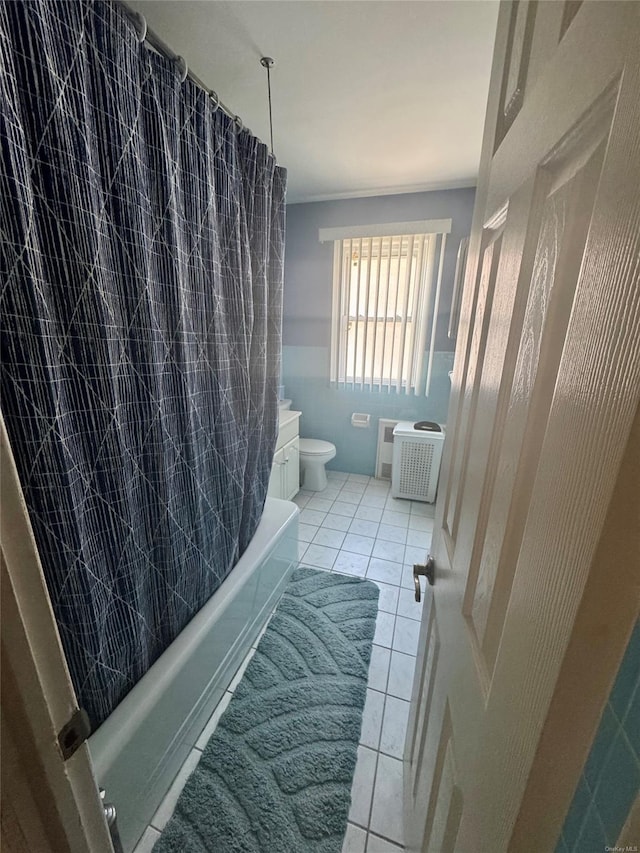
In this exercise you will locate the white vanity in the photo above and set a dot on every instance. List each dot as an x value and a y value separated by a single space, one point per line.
285 473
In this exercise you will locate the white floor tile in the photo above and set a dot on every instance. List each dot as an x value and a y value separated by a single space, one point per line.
359 478
362 788
378 486
385 571
337 522
301 500
306 532
320 504
405 636
386 550
399 505
406 580
368 513
241 669
384 629
355 839
330 493
376 500
343 508
320 555
213 721
349 496
392 533
372 719
401 671
145 845
386 813
394 726
375 844
419 522
364 528
419 538
337 475
397 519
358 544
379 668
422 508
408 606
312 516
348 563
165 810
331 538
388 599
415 554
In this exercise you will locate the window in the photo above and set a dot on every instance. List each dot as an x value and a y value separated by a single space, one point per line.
385 304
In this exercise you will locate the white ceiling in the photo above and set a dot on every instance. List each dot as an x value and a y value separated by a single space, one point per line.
369 96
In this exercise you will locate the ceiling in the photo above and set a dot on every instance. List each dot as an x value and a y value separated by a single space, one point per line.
370 97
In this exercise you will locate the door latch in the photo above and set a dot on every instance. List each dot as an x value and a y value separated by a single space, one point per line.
428 570
74 733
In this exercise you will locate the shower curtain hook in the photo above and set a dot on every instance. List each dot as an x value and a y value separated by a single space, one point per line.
216 100
239 123
182 68
140 26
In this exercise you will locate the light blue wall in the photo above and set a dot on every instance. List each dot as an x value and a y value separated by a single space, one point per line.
308 281
611 777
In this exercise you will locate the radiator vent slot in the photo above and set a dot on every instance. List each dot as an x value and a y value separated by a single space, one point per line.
384 456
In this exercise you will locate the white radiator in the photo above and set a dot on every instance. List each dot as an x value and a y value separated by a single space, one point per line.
384 457
416 462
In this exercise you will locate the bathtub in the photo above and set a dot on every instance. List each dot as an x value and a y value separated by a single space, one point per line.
140 747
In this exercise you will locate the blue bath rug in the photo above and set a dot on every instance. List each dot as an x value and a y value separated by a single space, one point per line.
276 775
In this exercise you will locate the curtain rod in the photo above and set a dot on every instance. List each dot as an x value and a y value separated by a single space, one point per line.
146 34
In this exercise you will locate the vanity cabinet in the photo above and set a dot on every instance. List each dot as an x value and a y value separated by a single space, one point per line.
285 471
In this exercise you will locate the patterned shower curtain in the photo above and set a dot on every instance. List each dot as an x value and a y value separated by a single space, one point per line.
141 261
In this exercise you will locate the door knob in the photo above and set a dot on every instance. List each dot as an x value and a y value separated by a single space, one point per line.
428 570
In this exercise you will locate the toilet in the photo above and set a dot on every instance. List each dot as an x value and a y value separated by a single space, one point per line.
314 455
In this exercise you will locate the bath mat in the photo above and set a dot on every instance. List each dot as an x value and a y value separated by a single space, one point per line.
276 775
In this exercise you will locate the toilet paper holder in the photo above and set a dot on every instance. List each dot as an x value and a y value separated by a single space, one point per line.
360 419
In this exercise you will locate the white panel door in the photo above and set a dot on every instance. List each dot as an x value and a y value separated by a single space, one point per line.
545 388
48 803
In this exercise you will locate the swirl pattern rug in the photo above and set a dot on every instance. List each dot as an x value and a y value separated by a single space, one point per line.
276 775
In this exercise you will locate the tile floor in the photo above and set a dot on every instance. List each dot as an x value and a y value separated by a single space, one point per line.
355 527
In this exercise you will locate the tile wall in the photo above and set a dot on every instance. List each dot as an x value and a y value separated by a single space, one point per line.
326 411
610 780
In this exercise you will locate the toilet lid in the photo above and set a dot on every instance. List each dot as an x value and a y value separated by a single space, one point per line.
315 447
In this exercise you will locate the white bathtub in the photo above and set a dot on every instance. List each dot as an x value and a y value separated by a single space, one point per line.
139 748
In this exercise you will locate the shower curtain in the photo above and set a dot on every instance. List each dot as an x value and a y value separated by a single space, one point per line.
141 252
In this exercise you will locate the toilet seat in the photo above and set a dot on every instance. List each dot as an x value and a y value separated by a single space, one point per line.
315 447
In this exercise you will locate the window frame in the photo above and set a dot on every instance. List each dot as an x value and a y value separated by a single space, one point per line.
431 230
